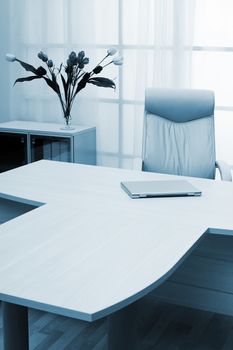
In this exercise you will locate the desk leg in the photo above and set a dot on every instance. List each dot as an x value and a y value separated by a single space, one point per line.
122 330
15 327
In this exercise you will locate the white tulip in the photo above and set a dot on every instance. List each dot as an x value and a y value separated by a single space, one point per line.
118 61
10 57
111 51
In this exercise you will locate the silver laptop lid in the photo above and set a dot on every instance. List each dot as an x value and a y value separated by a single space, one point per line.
168 188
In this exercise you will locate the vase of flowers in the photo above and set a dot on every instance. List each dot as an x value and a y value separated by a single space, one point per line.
69 79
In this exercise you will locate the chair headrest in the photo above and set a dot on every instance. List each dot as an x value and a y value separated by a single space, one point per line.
181 105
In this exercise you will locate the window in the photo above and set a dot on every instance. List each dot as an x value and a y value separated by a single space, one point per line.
212 66
145 33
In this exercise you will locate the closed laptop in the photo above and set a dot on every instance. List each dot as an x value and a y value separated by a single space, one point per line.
168 188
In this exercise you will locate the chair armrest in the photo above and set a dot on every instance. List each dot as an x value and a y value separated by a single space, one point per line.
224 169
137 163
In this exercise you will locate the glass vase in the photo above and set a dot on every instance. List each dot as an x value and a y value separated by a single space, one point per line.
68 125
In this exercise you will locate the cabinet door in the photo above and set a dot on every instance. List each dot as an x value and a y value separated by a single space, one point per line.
13 150
50 147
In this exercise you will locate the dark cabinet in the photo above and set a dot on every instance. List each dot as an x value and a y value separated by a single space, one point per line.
13 150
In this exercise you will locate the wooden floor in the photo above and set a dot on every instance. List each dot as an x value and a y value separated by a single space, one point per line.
160 327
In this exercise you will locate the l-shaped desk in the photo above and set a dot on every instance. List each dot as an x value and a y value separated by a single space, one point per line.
88 251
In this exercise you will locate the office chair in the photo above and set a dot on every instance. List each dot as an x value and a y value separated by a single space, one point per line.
178 136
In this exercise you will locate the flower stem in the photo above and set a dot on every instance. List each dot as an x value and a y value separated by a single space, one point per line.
62 103
107 64
99 64
102 60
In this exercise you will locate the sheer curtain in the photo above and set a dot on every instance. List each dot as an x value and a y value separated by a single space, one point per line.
165 32
4 66
57 27
154 36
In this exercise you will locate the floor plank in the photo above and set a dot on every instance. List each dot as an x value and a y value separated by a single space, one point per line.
161 326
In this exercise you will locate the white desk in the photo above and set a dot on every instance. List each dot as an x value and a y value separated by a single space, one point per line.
91 250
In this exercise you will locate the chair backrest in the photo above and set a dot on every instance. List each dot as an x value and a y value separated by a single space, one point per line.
178 135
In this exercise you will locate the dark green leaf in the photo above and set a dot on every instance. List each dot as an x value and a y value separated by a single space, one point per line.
54 79
54 85
28 67
103 82
21 80
81 85
64 86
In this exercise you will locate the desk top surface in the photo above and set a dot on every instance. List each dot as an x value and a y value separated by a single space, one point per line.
91 249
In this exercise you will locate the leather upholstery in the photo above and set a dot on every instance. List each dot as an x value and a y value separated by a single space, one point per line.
179 132
179 105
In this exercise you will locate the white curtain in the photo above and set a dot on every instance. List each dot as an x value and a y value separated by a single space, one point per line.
57 27
4 66
154 36
167 29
